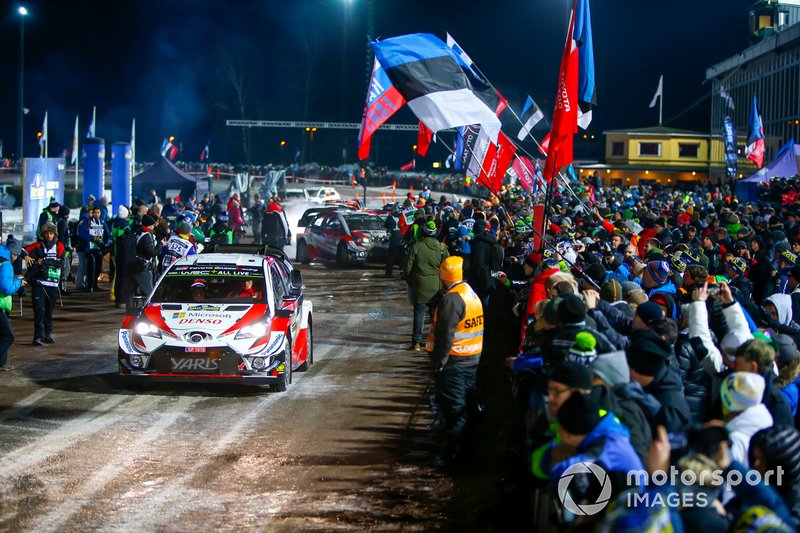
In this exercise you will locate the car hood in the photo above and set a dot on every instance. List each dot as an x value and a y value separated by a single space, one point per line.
213 318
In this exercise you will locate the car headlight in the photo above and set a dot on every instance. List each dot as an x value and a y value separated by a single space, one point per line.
258 363
364 240
136 361
146 329
253 331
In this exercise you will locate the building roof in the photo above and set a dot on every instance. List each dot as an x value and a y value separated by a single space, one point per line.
774 43
659 131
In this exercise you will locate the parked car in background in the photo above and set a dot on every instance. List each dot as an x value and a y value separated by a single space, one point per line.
344 237
319 195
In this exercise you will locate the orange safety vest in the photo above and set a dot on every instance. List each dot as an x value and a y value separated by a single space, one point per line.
468 340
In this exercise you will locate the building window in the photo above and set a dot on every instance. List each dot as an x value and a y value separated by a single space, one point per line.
618 148
688 150
651 149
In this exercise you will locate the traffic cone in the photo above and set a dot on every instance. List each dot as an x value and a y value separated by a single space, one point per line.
356 196
383 197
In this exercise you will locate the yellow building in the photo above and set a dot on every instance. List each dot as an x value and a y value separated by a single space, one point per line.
653 155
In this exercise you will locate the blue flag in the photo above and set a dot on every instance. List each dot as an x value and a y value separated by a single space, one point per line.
587 99
755 137
459 148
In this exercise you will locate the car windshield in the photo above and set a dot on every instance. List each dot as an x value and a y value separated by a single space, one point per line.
364 222
212 284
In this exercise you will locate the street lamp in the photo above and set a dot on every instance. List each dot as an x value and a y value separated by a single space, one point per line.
23 11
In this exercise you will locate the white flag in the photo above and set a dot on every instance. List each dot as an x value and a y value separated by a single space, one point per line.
90 132
452 44
74 159
723 92
659 91
133 136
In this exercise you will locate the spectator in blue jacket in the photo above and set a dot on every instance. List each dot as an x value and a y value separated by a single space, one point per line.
597 436
9 285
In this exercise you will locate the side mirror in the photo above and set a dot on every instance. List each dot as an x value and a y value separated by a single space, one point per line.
296 279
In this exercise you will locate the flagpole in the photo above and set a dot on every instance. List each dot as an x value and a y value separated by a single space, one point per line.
530 134
75 146
94 122
661 105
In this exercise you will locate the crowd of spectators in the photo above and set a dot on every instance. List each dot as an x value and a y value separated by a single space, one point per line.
655 332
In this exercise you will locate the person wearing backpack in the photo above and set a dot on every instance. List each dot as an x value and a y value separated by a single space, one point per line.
9 285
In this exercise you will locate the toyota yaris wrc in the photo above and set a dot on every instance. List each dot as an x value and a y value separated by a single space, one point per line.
221 318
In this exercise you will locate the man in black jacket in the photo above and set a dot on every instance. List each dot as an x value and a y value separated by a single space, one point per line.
647 357
141 270
485 259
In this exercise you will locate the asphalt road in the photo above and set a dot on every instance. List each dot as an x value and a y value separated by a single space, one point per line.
348 447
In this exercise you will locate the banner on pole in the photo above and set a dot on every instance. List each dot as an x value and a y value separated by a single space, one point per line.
43 178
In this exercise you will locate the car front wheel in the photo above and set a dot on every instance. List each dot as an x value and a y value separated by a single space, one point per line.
341 255
302 252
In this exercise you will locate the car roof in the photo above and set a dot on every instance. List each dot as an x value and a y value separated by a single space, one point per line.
226 259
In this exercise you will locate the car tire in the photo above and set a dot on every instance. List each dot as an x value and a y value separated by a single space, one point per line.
302 252
309 349
341 255
283 385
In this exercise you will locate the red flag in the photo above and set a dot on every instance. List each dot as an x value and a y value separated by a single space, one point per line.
495 164
409 166
424 136
502 104
565 114
383 101
545 144
525 170
172 152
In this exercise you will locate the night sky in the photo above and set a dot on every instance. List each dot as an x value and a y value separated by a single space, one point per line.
170 65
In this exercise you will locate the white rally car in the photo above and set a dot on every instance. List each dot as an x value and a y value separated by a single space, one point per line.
222 317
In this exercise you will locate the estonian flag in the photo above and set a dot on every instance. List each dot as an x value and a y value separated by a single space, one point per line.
430 76
530 116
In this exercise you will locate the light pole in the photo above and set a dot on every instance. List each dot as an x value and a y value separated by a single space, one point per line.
22 13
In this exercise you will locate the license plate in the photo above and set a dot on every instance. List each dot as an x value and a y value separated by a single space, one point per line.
195 349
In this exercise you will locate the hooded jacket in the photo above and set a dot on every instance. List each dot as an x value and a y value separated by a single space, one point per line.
422 269
9 285
743 427
607 444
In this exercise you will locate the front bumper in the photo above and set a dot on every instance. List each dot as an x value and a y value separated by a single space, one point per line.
215 365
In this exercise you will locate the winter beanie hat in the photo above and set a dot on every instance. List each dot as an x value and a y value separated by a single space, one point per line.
430 229
579 414
14 245
612 368
647 353
740 391
611 291
583 350
571 310
649 312
659 271
572 375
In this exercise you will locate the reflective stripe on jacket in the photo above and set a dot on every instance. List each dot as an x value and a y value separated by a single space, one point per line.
468 336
